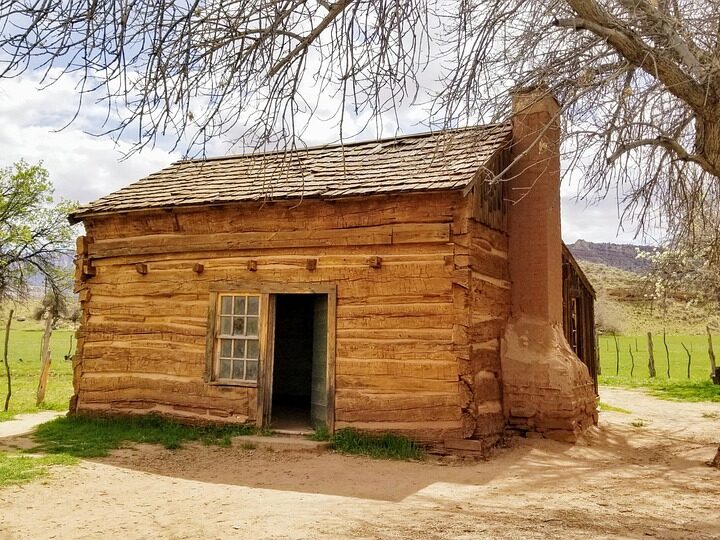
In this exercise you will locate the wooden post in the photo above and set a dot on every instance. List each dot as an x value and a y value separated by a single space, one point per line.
632 359
714 371
667 353
617 354
651 356
689 358
45 360
7 365
597 354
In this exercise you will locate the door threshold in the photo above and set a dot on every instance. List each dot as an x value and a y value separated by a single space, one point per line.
299 432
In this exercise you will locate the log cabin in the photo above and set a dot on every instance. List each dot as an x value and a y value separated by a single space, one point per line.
415 285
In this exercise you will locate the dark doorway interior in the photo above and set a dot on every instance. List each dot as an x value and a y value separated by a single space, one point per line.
300 359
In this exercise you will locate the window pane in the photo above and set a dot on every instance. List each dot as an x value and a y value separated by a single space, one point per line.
252 369
238 348
226 305
226 348
224 369
253 306
237 372
239 305
226 326
253 349
238 326
251 328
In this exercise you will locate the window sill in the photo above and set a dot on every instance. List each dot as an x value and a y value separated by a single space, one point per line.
242 384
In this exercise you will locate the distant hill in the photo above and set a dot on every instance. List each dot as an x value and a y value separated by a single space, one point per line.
621 256
624 306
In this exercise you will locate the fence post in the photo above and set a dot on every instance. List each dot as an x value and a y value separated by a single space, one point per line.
651 356
689 358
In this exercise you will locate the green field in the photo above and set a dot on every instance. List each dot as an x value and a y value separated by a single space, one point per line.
25 345
698 387
24 359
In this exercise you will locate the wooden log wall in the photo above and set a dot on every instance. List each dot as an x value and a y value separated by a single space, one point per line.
579 313
482 297
417 347
143 334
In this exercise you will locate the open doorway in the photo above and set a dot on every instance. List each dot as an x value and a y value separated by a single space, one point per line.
299 394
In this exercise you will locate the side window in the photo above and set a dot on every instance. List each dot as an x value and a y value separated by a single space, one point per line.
237 342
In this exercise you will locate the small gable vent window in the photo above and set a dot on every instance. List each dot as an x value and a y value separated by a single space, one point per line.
237 338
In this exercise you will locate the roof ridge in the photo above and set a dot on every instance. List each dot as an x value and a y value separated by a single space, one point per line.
327 146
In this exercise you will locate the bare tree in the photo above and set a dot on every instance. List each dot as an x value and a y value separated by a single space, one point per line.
639 80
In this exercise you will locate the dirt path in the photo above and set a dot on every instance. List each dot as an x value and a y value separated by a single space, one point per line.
621 482
25 423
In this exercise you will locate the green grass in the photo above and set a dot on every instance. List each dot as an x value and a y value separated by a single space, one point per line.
612 408
94 437
385 446
321 433
24 360
19 469
678 386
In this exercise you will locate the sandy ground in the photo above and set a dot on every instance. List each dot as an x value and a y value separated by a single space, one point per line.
622 481
25 423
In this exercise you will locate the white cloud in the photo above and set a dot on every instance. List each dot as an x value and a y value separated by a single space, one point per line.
84 167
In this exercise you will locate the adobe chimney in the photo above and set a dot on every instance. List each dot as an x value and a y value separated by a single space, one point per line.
534 216
546 388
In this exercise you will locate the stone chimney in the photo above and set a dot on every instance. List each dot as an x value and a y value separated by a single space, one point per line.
547 389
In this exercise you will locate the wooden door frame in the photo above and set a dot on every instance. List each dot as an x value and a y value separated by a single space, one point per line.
268 291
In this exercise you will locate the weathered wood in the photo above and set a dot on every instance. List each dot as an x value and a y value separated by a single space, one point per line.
651 356
348 213
148 340
45 360
362 236
5 360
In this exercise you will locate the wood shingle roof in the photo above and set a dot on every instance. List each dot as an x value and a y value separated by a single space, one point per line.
444 160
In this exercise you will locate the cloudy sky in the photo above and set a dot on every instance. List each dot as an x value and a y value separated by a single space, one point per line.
84 167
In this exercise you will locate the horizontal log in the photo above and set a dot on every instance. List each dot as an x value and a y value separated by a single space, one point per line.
394 350
406 233
143 360
144 328
419 430
268 216
370 289
396 383
403 414
192 415
429 369
358 400
169 339
416 270
398 321
409 334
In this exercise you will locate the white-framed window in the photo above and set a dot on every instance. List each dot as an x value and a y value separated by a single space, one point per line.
237 342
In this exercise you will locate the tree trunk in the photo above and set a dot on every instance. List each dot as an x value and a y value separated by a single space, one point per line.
651 357
45 360
7 364
714 369
707 140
